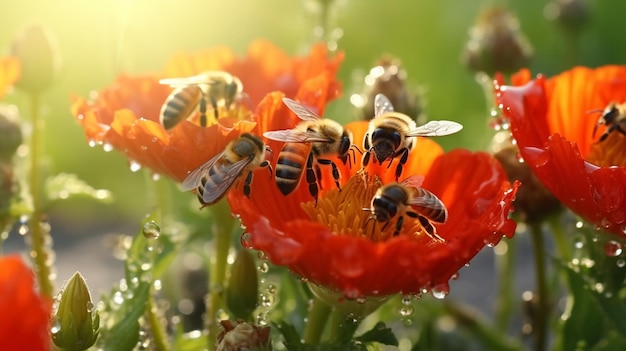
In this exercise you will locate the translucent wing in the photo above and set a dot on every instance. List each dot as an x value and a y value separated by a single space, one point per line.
436 128
194 178
193 80
414 181
216 187
382 105
429 206
302 112
296 136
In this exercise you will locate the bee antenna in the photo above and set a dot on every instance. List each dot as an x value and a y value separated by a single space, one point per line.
354 146
595 110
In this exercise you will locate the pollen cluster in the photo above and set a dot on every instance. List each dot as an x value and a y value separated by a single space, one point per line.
347 211
609 152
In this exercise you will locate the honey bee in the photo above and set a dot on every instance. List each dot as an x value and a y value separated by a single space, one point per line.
305 147
392 134
408 198
191 94
613 117
213 179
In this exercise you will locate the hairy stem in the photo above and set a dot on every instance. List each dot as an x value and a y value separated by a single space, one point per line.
316 321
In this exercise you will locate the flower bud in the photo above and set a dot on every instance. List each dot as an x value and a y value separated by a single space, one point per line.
10 132
76 324
243 336
243 286
388 78
533 201
572 15
496 43
37 50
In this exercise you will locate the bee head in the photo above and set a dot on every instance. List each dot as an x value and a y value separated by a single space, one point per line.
383 209
385 142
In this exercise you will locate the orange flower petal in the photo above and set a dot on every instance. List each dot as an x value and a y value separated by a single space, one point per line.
9 73
25 314
551 123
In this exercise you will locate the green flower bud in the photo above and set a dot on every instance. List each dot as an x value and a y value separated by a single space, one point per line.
243 286
76 324
37 50
533 202
572 15
496 43
243 336
389 78
10 132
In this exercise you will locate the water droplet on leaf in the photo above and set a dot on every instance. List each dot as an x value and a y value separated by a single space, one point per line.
151 230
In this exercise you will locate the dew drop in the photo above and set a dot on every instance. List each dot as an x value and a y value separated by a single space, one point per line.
92 143
23 229
261 255
271 288
56 326
579 224
151 230
155 176
267 300
261 318
264 267
135 166
407 311
246 240
613 248
440 291
406 300
107 147
621 263
579 243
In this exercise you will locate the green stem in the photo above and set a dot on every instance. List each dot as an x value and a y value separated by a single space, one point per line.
542 308
156 327
222 237
505 273
316 321
37 234
560 239
159 196
341 326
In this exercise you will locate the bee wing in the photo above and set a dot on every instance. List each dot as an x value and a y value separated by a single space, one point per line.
230 171
428 200
414 181
194 178
193 80
382 105
436 128
296 136
300 110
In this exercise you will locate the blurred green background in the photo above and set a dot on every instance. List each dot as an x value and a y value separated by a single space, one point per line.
100 39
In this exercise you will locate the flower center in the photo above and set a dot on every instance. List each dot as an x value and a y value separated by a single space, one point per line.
348 212
609 152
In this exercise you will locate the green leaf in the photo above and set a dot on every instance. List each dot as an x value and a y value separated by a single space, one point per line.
124 335
65 185
379 333
292 338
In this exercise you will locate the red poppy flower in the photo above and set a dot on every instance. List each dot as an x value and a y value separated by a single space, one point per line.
333 245
551 121
125 116
9 73
25 315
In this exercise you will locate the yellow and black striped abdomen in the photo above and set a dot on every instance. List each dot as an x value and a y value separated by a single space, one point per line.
292 160
179 105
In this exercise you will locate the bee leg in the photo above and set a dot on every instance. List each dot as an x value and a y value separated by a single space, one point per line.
247 183
608 131
268 165
403 159
335 170
311 178
203 121
430 229
398 226
216 112
366 147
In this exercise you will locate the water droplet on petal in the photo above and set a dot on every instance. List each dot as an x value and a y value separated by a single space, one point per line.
246 240
440 291
151 230
612 248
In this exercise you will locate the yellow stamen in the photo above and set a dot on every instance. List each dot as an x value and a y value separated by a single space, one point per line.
610 152
347 212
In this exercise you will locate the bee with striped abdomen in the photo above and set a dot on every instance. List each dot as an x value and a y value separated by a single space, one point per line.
392 134
306 145
191 94
212 179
